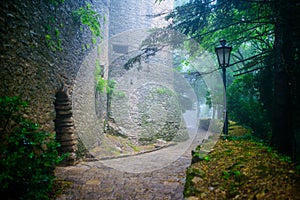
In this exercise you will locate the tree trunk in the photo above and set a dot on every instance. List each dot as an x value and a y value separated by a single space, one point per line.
282 128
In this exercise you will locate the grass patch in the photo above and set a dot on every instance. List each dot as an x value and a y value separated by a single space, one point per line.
135 148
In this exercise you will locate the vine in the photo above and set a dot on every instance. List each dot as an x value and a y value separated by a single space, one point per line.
103 85
90 18
28 154
53 35
56 2
54 43
86 15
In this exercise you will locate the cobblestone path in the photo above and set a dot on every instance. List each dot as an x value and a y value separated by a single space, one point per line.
95 180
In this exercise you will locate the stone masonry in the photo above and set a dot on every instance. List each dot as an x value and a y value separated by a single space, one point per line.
43 48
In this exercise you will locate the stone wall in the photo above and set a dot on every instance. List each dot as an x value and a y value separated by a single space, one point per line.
144 104
42 49
48 59
129 14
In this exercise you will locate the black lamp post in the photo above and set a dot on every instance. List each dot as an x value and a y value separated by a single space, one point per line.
223 54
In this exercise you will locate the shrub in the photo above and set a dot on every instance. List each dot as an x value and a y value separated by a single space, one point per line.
245 106
27 155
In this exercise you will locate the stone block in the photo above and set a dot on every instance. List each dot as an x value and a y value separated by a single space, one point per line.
65 137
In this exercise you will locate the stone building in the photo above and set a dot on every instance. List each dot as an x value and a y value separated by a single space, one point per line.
45 51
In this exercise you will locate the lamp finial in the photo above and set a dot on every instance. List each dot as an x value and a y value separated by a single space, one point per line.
223 42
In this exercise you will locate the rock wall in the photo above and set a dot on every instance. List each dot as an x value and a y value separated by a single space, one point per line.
42 49
45 52
144 101
144 106
129 14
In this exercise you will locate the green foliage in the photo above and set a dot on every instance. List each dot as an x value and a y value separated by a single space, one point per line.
298 168
134 147
111 85
28 155
245 107
90 18
253 28
189 187
248 136
164 91
158 1
231 173
208 99
53 39
56 2
119 94
208 22
103 85
199 155
215 99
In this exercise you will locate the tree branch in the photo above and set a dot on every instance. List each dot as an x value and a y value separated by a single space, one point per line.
250 58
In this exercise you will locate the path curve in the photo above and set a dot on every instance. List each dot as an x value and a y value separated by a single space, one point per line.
95 180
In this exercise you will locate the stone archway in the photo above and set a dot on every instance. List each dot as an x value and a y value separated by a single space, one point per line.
64 126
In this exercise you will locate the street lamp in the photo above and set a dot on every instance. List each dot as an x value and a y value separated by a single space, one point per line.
223 54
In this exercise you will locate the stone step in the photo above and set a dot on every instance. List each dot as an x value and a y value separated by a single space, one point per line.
68 143
64 124
64 112
63 107
62 117
65 137
66 149
64 120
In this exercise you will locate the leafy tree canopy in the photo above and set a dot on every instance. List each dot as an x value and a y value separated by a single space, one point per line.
248 25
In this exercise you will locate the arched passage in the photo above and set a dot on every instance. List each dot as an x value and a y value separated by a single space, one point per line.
64 126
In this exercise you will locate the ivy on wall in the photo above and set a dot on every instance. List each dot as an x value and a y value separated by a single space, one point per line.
28 154
90 18
86 15
56 2
103 85
53 41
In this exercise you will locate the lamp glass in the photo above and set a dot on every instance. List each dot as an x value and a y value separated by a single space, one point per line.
223 54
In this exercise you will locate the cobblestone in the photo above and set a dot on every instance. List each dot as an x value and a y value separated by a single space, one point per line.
95 180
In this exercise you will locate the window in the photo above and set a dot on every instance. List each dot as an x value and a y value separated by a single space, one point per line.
121 49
